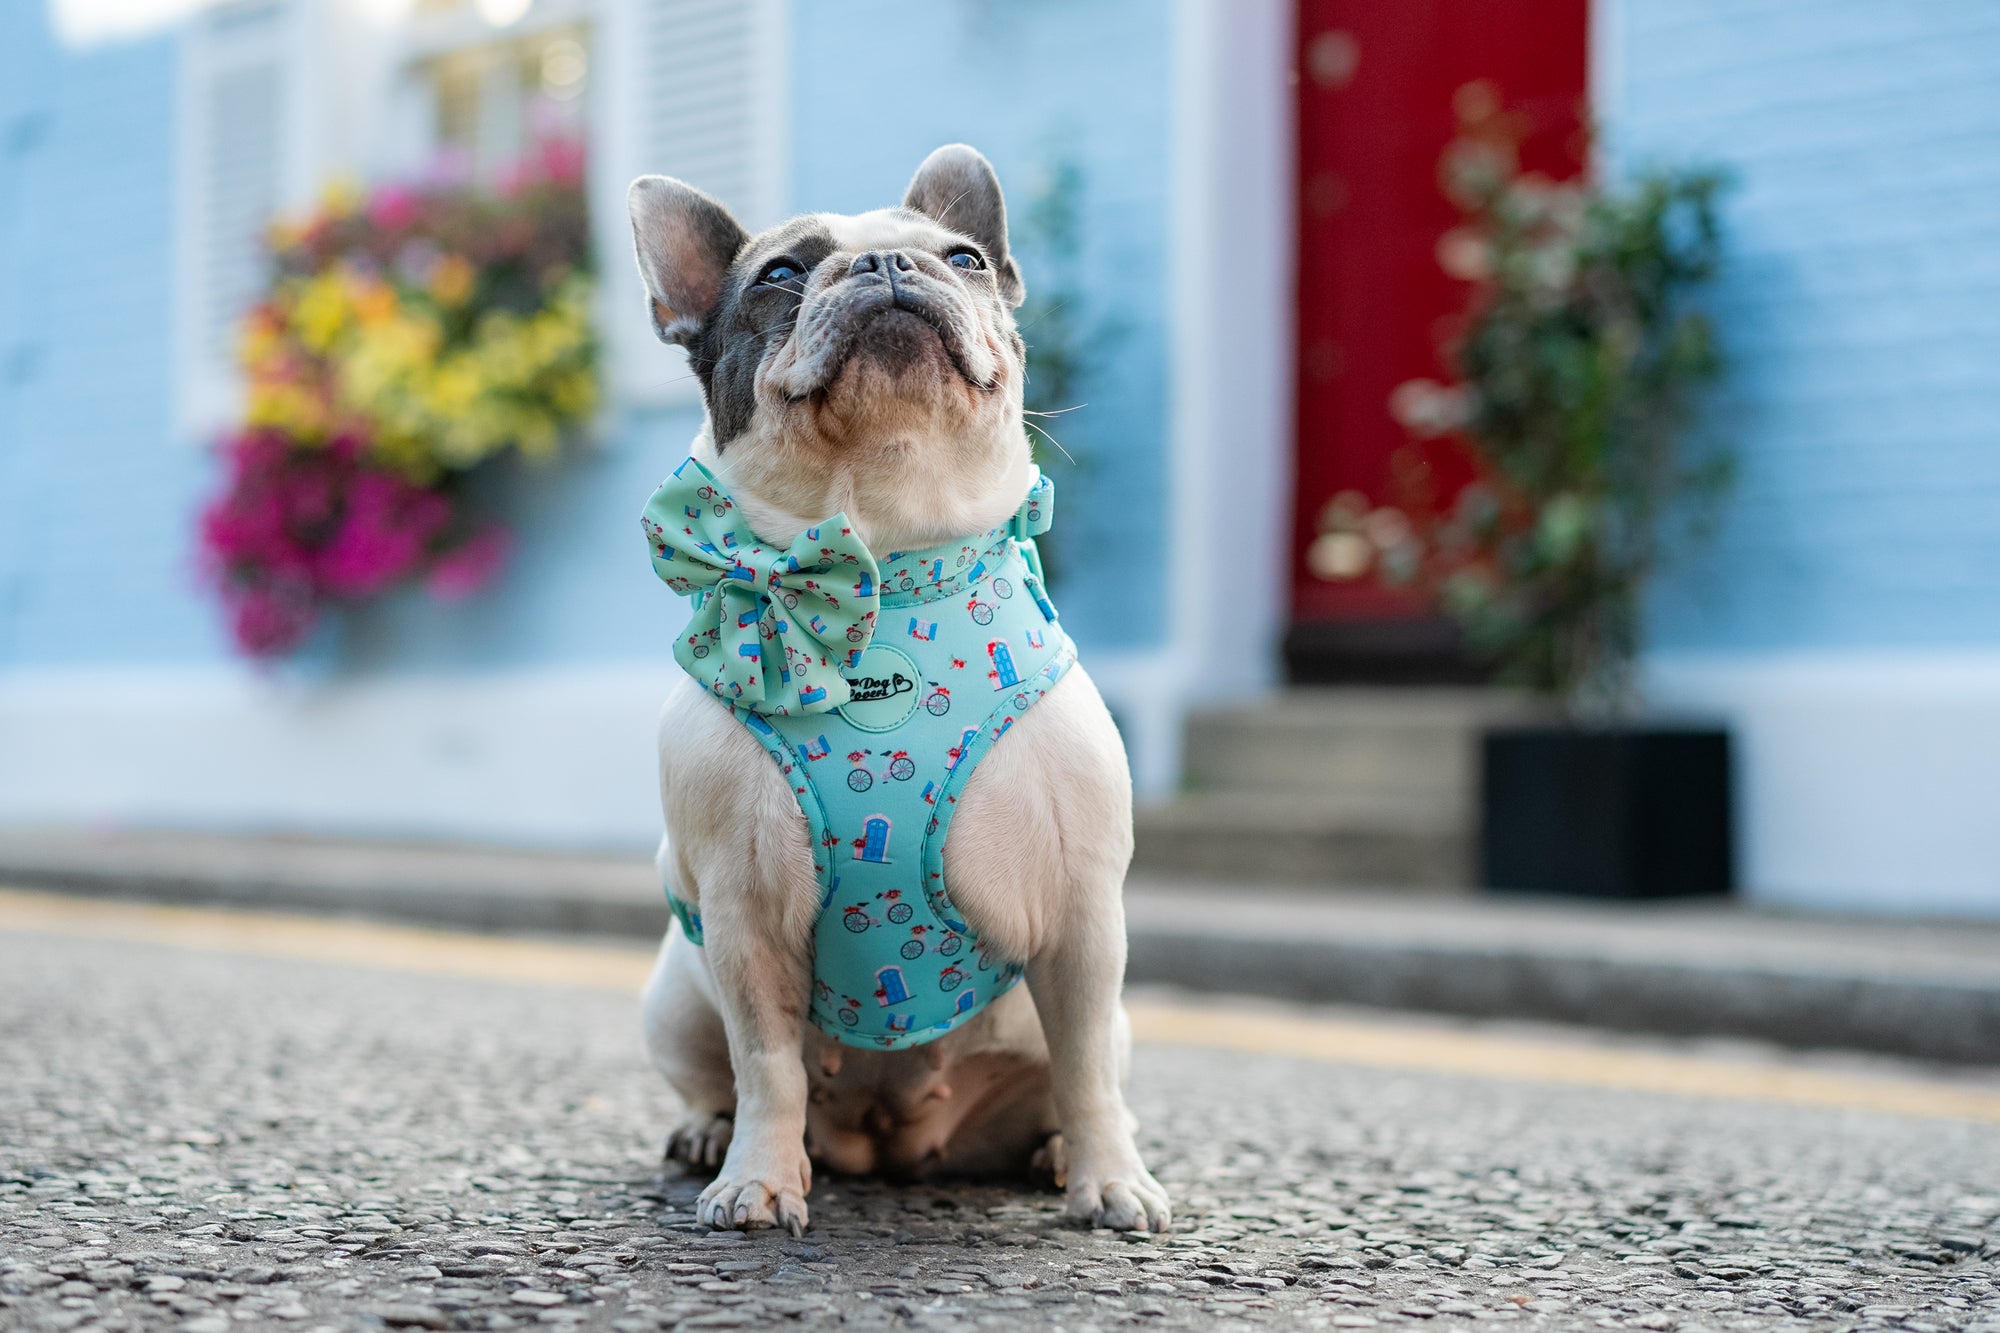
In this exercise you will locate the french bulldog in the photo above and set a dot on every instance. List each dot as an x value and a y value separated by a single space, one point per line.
870 366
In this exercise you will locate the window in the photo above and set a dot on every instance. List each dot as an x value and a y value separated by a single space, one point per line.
235 121
280 96
482 96
694 89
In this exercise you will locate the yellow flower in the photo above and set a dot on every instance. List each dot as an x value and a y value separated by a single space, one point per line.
374 301
284 233
343 348
342 198
453 279
319 309
288 406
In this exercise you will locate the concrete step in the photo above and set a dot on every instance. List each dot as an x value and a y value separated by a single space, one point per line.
1316 839
1421 744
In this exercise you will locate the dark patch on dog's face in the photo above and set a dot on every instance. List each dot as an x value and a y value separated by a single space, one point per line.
751 314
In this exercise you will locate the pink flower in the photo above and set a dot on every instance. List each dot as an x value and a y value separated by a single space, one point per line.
271 620
560 161
384 535
298 526
394 208
469 566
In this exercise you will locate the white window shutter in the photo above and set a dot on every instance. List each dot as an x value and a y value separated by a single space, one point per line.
238 123
694 89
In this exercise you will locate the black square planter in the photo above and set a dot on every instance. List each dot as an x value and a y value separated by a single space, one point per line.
1641 812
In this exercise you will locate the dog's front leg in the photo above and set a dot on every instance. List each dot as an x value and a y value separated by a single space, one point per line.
762 978
742 856
1076 981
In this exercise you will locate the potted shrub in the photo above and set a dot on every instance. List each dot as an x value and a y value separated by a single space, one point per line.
1578 363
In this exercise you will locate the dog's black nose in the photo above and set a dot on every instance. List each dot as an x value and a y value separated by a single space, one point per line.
882 261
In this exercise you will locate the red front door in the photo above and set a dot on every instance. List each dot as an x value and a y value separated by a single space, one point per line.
1375 89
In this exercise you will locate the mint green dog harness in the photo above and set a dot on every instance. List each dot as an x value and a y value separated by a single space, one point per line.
877 689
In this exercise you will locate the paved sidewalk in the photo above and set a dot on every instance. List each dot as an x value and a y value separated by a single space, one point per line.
1913 988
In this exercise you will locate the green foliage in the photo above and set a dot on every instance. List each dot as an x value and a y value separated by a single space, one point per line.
1066 347
1580 363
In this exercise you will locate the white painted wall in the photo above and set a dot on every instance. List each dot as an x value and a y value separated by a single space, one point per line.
553 757
1231 406
1866 781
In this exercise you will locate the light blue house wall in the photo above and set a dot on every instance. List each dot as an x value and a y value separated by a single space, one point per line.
94 495
1847 619
1861 311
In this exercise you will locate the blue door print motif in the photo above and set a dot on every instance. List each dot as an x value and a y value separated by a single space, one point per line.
873 845
898 1023
967 1002
1004 675
889 988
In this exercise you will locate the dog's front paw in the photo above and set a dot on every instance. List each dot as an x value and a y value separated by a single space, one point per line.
701 1140
748 1197
1120 1194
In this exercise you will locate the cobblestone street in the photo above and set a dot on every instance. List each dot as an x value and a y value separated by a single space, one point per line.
202 1141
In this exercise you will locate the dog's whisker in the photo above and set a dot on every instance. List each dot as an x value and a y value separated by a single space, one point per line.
1051 439
1055 306
945 212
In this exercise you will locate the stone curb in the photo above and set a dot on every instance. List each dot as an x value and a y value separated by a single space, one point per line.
1715 972
1928 1018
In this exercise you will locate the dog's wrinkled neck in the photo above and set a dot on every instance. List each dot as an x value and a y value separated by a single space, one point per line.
780 494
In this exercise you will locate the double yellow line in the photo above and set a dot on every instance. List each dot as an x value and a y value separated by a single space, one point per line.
1250 1028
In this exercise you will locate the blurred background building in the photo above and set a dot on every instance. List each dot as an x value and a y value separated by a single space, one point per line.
1238 214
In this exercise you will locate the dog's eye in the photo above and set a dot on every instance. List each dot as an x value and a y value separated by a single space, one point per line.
965 258
779 272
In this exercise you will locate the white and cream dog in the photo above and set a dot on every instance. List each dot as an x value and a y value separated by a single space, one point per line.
831 389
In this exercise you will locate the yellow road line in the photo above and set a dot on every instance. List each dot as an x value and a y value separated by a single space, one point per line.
1479 1055
1387 1045
331 940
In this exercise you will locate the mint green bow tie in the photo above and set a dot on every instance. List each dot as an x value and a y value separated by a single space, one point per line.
771 629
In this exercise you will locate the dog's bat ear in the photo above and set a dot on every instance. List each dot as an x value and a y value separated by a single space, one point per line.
685 243
957 188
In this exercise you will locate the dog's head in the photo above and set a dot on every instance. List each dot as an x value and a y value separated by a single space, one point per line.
867 365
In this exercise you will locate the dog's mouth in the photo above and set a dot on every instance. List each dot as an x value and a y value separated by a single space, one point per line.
899 330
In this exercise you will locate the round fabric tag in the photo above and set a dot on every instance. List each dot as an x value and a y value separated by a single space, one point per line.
884 689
